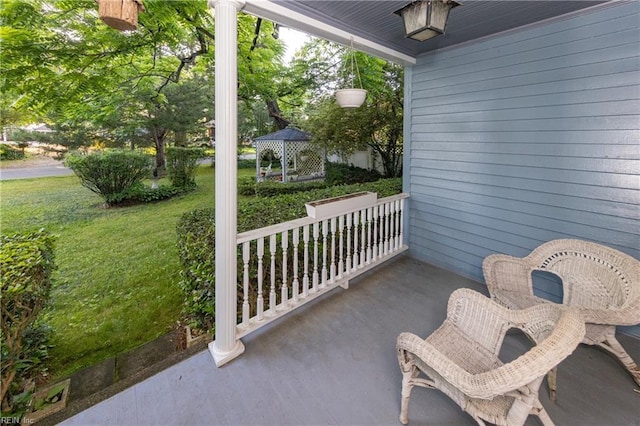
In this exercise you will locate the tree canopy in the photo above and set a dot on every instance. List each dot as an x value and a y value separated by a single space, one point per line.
95 85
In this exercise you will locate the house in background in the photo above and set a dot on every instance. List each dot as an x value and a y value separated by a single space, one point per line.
365 159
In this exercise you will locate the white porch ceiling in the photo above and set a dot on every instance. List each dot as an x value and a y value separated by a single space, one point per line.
375 22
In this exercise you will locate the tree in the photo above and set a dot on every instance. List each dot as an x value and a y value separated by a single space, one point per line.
377 124
63 63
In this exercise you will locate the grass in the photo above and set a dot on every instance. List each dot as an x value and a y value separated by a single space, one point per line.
118 268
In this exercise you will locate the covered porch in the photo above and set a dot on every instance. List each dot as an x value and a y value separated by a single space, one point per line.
333 362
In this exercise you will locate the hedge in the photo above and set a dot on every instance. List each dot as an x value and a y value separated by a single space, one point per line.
335 174
26 265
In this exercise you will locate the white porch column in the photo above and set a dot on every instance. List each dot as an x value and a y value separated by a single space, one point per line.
226 347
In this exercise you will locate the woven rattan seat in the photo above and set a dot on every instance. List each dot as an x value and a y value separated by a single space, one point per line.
601 282
461 358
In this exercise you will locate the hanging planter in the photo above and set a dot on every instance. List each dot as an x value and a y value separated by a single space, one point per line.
352 97
120 14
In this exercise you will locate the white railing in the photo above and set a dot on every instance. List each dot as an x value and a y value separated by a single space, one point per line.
286 265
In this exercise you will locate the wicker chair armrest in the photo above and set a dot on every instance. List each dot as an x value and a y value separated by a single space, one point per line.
509 377
503 272
629 315
539 360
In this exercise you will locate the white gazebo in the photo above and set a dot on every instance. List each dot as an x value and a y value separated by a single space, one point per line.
288 155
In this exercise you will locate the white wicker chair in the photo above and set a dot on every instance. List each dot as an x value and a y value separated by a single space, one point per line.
603 283
461 357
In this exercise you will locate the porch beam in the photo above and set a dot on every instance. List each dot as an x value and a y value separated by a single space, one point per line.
226 345
289 18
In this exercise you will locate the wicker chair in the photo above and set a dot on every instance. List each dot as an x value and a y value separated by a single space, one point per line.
461 357
603 283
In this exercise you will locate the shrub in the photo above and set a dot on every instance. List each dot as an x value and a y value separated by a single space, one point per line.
196 237
344 174
26 265
246 164
182 164
110 174
8 152
144 194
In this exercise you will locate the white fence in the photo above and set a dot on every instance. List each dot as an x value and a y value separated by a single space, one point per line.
286 265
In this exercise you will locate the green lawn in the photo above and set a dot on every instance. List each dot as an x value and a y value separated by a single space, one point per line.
116 283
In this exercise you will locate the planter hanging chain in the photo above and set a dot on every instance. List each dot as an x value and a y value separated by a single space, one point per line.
354 64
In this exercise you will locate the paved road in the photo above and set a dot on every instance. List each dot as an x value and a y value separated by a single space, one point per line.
57 170
35 172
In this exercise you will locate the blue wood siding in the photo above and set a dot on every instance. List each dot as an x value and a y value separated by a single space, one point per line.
526 137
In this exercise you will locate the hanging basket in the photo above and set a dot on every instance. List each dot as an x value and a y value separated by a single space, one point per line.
120 14
350 98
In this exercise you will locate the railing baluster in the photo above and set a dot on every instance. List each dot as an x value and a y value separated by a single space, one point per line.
396 229
316 233
402 222
295 284
305 276
341 247
260 302
376 233
325 232
363 221
246 249
333 250
284 294
387 228
369 220
356 252
349 248
272 293
392 227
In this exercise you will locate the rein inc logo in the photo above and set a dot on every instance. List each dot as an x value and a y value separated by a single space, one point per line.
5 420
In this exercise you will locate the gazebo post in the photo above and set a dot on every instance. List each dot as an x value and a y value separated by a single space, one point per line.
226 346
285 162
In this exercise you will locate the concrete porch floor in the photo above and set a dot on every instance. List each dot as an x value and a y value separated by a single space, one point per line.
333 362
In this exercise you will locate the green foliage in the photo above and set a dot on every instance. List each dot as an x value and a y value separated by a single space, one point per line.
376 124
110 174
346 174
196 242
7 152
145 194
246 164
26 265
336 174
196 237
60 62
271 189
182 164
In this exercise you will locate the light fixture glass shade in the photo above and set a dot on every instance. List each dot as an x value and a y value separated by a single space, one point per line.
426 19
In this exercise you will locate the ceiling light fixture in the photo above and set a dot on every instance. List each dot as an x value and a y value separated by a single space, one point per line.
426 19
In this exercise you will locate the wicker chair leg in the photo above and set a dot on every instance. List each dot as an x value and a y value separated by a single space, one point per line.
409 373
614 347
552 382
404 405
544 418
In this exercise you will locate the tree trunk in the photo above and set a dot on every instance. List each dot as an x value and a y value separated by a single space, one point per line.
159 136
181 138
276 114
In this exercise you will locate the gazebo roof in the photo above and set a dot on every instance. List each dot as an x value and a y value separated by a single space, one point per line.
287 134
